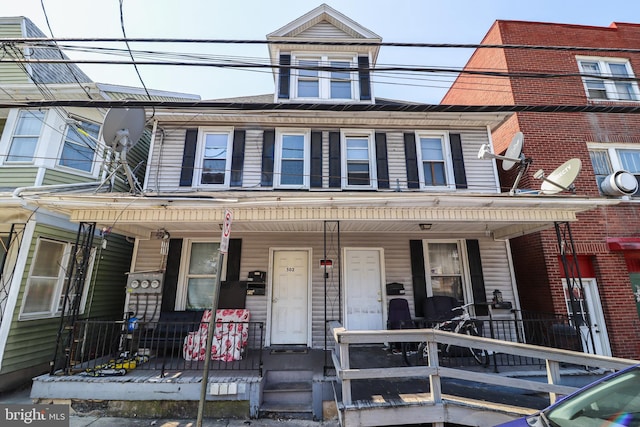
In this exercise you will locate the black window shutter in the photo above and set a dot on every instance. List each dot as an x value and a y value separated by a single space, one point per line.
237 158
364 77
418 276
334 160
381 160
458 160
171 273
411 159
477 278
316 159
285 76
233 259
268 146
188 157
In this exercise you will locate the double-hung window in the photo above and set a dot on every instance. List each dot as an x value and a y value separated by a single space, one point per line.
292 159
78 150
608 79
199 274
25 136
434 160
445 269
48 278
606 160
325 77
358 160
215 157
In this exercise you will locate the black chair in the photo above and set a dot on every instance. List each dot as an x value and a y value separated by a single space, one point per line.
399 317
439 308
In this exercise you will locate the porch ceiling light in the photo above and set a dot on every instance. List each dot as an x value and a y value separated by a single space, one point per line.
425 227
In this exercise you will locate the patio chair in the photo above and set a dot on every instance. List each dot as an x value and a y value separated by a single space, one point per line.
230 336
439 308
399 317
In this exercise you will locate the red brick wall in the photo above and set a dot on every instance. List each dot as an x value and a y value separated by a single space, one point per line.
552 138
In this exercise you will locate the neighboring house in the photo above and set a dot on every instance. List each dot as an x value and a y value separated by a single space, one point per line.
334 194
44 151
607 240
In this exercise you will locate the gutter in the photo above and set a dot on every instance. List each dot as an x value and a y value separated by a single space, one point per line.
17 193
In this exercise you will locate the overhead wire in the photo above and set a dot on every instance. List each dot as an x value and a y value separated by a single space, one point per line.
69 67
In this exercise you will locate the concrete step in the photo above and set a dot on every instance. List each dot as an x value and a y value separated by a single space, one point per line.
286 410
291 392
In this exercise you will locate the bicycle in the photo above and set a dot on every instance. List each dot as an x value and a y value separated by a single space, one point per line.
461 324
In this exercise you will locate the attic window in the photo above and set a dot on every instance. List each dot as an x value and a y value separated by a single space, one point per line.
324 77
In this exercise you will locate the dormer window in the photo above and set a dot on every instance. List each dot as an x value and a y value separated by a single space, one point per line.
324 77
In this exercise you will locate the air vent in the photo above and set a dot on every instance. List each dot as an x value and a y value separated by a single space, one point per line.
620 183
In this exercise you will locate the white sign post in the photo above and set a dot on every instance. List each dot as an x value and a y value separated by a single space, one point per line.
224 248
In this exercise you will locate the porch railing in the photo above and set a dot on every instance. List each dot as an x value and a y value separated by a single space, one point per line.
102 348
527 327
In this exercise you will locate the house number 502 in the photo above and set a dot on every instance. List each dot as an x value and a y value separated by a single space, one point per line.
291 269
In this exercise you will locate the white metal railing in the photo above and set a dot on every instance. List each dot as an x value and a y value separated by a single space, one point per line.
434 372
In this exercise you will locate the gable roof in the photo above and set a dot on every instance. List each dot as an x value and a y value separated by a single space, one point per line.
324 23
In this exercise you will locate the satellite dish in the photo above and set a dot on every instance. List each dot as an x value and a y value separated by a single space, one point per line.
560 179
121 130
123 127
512 156
514 151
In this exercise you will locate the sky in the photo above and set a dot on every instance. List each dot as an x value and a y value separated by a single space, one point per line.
406 21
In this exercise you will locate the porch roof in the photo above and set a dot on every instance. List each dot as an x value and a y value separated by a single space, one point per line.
498 215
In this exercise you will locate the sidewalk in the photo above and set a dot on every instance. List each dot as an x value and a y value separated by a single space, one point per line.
89 421
22 396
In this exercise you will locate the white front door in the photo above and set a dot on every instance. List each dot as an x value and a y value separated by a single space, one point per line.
290 297
364 304
586 305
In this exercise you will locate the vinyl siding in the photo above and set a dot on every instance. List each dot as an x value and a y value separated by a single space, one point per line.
397 268
13 177
323 30
52 176
148 258
479 173
11 73
20 351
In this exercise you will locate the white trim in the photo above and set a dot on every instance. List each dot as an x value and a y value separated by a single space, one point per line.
306 158
15 287
185 257
199 160
324 76
605 71
446 157
373 173
272 250
467 289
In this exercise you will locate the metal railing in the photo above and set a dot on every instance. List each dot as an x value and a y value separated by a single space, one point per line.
542 329
105 348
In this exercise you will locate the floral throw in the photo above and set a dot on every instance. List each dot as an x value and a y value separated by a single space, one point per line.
229 336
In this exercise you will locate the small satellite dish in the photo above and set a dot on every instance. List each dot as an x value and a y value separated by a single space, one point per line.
123 127
512 156
121 130
560 179
513 152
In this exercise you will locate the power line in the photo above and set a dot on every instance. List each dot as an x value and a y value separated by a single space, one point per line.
319 43
350 107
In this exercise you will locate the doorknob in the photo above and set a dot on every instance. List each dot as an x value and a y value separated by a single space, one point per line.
274 300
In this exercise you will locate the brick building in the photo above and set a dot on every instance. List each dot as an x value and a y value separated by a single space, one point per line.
607 240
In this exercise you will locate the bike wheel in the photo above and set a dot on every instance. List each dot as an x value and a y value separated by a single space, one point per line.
414 354
479 355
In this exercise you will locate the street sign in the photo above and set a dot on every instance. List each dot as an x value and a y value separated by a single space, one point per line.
226 231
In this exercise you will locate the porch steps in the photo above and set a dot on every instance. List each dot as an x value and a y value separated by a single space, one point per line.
287 394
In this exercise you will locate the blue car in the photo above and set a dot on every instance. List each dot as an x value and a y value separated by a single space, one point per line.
612 401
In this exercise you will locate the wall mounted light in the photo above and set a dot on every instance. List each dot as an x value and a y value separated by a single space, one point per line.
425 227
